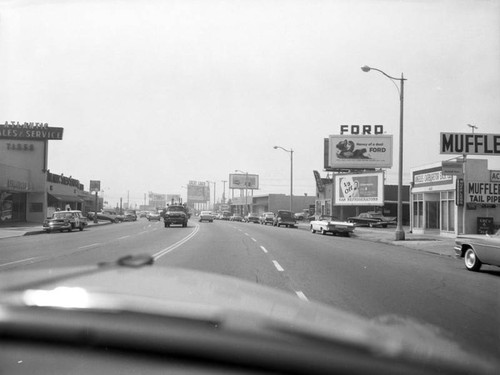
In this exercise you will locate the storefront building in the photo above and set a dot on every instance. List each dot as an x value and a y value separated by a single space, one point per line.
29 192
22 178
454 204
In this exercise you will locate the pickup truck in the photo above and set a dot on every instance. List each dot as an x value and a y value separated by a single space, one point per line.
175 214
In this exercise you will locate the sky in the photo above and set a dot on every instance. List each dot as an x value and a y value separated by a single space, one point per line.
152 95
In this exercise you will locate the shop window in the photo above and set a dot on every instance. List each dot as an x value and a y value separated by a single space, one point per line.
328 208
448 211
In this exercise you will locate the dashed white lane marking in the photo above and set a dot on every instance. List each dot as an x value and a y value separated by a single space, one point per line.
18 261
167 250
301 295
122 238
277 265
253 239
263 249
246 234
145 231
87 246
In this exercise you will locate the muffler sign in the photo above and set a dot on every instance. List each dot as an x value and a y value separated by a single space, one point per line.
483 192
470 144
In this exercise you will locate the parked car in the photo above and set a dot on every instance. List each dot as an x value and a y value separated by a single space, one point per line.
478 249
333 225
206 216
286 218
65 220
267 218
372 219
236 218
252 218
106 215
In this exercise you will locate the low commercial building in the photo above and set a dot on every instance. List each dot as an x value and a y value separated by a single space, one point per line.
455 204
272 203
349 194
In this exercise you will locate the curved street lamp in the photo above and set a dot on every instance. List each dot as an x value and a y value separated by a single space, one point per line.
400 233
291 173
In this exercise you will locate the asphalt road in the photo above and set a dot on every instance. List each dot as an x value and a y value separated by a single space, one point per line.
370 279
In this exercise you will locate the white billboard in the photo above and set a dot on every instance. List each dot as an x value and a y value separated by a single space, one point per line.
365 189
243 181
360 151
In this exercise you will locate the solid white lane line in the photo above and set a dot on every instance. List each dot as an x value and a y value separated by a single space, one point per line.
301 295
87 246
167 250
277 265
263 249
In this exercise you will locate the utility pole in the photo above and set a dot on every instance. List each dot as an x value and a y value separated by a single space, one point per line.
224 192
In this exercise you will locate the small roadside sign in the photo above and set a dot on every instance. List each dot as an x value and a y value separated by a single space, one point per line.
452 168
494 176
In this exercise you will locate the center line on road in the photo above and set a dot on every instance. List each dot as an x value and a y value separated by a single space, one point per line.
277 265
87 246
167 250
263 249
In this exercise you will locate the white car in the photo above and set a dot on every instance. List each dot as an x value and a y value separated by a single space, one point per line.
206 216
329 224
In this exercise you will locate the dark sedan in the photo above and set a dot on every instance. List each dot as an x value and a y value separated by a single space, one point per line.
372 219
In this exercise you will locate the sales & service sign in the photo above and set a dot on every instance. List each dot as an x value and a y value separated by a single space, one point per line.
35 131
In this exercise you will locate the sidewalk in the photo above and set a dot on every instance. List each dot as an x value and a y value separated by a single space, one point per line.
431 243
27 229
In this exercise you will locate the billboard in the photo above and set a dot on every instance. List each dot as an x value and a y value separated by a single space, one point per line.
365 189
198 192
243 181
359 151
470 144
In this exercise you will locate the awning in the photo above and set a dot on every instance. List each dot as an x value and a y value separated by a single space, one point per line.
66 198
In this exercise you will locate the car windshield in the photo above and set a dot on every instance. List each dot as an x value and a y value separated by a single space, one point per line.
200 149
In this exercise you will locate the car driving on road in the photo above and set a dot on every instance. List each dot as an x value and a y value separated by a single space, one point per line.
206 216
175 214
65 220
478 249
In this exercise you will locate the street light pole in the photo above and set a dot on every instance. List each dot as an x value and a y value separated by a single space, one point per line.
291 174
400 233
